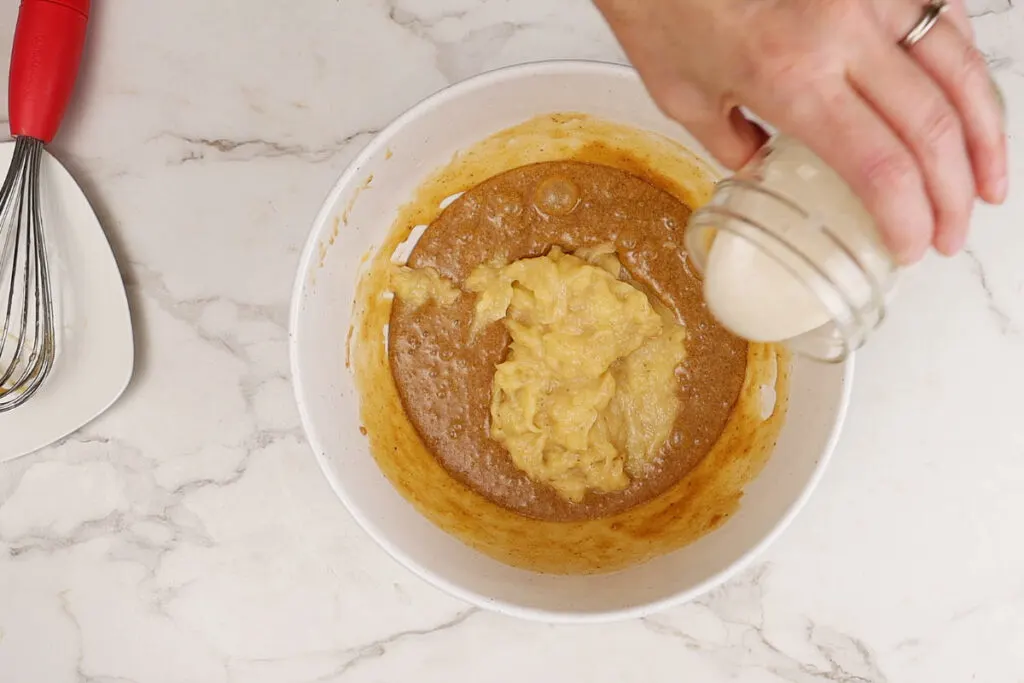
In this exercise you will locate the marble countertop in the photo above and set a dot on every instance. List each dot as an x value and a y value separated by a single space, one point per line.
188 535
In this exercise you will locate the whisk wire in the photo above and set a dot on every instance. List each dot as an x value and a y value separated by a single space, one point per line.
12 242
45 327
27 338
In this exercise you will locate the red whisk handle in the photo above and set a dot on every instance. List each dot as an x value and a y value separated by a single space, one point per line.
48 43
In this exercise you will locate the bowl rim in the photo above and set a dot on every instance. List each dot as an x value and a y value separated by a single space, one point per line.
323 217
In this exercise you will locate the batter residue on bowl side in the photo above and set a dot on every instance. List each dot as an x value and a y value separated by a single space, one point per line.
634 192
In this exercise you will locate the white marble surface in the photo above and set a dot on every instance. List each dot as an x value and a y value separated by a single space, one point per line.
188 534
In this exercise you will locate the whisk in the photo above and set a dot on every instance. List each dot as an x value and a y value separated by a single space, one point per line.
48 43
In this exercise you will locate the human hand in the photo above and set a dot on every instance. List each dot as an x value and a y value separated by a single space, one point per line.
917 133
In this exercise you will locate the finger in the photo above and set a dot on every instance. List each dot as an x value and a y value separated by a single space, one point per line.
903 14
725 132
838 125
731 138
960 70
958 15
918 111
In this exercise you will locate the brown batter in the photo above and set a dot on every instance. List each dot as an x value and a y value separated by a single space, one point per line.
444 376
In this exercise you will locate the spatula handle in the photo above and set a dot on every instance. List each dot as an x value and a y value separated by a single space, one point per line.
48 43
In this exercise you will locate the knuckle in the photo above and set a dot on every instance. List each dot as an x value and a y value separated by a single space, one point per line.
889 171
974 65
773 59
952 216
940 128
793 72
788 71
788 64
812 106
954 207
976 81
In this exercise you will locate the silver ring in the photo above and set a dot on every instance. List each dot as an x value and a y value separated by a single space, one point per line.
929 17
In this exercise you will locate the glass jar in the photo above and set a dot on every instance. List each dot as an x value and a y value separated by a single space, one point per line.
788 253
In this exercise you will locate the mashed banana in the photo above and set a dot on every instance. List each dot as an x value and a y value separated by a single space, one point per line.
588 393
420 285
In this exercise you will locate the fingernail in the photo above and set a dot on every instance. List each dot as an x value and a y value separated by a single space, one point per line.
909 255
950 245
1000 189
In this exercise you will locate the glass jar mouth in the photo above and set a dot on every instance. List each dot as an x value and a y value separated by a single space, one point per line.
847 288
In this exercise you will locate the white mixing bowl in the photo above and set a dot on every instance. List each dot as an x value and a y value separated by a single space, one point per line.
399 159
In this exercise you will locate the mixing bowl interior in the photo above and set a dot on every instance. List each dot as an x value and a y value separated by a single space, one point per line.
354 221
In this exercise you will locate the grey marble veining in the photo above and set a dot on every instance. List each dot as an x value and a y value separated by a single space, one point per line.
188 535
